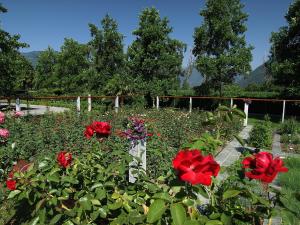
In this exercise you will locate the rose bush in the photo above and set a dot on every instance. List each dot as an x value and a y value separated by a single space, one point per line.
88 183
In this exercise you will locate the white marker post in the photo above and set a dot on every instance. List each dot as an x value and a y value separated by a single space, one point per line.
246 109
138 151
191 104
231 103
18 106
157 102
89 103
283 112
78 104
117 104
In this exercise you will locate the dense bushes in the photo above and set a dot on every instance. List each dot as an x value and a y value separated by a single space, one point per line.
261 135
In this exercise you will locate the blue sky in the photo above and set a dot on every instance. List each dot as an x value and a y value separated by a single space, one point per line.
43 23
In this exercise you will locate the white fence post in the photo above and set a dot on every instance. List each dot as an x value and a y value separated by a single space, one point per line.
117 104
89 103
246 109
78 104
18 106
231 103
191 104
283 112
157 102
137 150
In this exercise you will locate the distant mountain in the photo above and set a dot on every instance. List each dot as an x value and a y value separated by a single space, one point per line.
257 76
32 56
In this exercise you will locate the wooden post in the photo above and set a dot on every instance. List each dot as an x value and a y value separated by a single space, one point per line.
137 150
157 102
246 109
89 103
231 103
78 104
18 106
117 104
191 104
283 112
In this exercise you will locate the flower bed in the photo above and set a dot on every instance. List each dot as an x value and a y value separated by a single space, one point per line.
74 170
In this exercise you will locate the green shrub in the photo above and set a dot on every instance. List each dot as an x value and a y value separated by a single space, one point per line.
290 126
261 136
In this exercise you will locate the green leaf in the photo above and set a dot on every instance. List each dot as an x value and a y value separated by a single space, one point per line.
85 203
226 220
191 222
35 221
230 194
214 222
116 205
69 222
13 194
54 177
55 219
163 195
156 211
178 213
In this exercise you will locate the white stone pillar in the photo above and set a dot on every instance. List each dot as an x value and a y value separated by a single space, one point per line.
89 103
78 104
191 104
117 104
283 112
138 151
246 109
157 102
18 105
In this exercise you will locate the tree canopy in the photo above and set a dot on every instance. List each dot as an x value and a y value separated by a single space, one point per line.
284 63
219 43
11 62
154 55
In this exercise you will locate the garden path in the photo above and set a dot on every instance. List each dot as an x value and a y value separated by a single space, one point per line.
233 149
38 109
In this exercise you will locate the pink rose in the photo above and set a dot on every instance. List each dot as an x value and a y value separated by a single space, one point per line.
2 117
4 133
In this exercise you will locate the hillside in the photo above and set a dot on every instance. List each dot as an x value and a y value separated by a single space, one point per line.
257 76
32 56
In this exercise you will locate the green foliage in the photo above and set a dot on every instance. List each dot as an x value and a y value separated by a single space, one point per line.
206 143
220 47
261 136
284 63
45 69
13 66
290 126
154 55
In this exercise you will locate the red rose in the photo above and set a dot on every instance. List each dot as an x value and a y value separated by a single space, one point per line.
101 128
263 167
64 158
11 184
195 168
89 132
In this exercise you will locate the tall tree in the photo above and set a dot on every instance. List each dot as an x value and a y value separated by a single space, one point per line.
154 55
9 56
45 69
107 51
72 60
284 63
219 43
